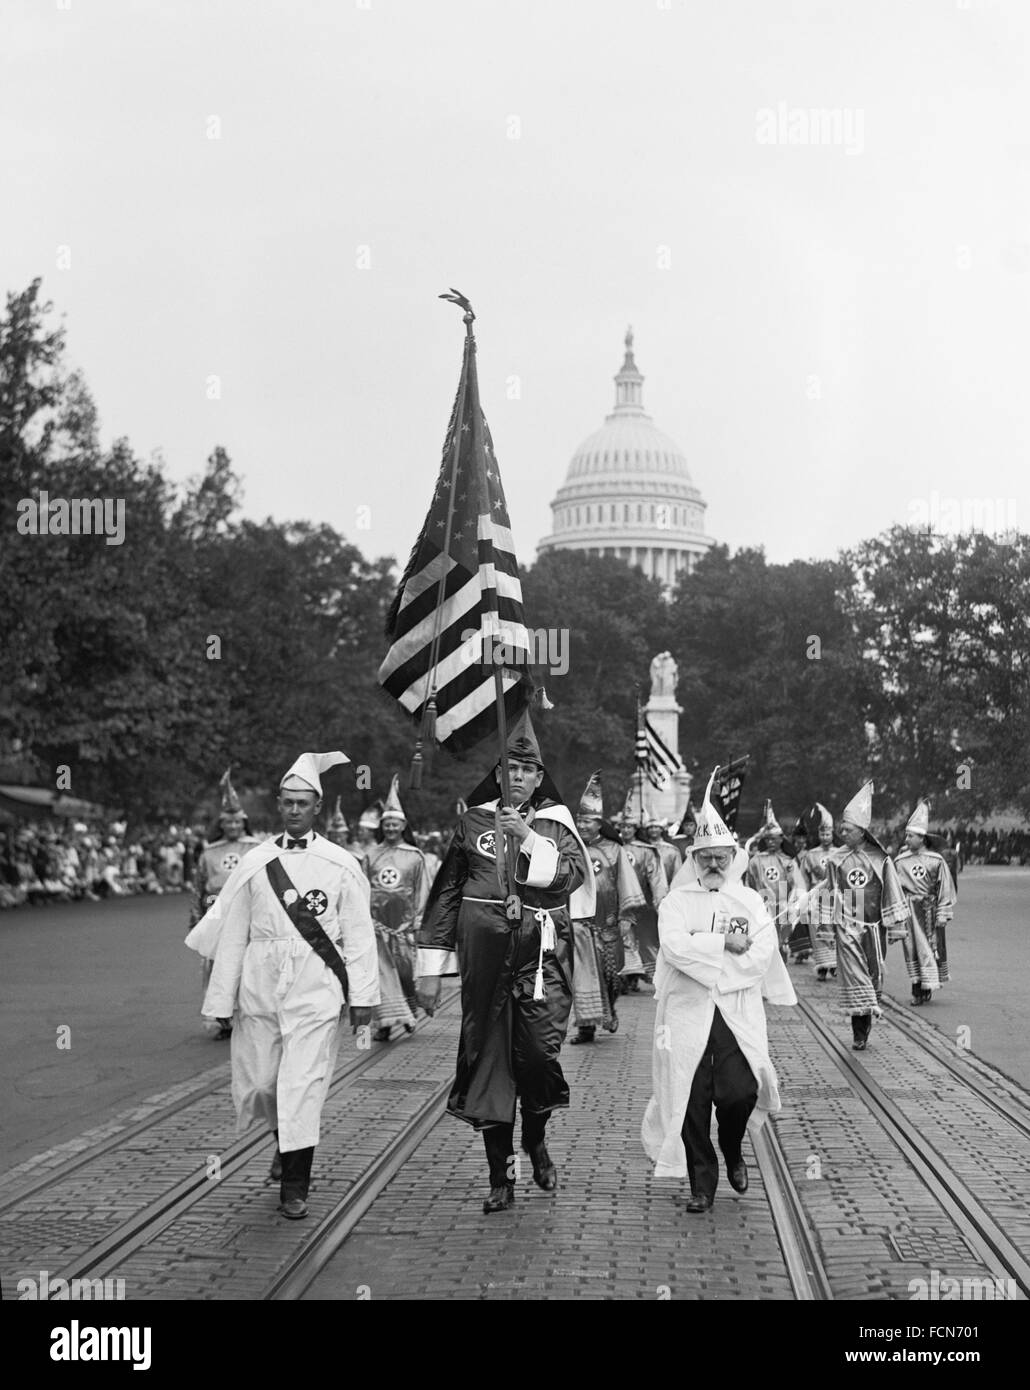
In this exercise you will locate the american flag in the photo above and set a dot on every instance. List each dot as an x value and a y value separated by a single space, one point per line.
654 758
448 642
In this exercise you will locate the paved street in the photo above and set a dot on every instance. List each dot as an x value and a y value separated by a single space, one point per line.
987 948
118 976
611 1232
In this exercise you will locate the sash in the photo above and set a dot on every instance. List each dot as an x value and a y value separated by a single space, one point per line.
305 921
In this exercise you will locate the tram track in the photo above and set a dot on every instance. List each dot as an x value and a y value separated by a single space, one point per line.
981 1232
104 1256
798 1242
934 1044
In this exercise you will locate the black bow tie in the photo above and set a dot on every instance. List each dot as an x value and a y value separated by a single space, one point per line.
296 844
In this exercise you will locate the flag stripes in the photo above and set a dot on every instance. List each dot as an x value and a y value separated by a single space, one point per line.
458 608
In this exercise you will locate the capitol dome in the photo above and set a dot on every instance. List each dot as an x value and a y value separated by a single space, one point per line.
628 491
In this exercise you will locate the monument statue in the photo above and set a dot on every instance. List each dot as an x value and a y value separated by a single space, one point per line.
664 674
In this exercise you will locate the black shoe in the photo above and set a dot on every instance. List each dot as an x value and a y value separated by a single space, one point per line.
500 1198
224 1029
294 1208
381 1035
860 1044
737 1175
820 974
276 1170
545 1174
583 1035
699 1201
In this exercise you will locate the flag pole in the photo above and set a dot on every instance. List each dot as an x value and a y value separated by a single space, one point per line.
427 724
640 766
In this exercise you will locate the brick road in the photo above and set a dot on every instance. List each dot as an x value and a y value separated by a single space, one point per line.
611 1231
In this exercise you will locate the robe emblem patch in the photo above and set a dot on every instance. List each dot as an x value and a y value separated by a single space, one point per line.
630 857
230 860
858 878
388 876
918 871
598 866
316 901
772 872
485 844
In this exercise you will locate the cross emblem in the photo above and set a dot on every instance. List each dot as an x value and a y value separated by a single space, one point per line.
858 878
388 876
316 901
919 872
772 872
486 844
230 860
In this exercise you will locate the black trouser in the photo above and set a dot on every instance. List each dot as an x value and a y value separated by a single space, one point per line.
725 1079
499 1141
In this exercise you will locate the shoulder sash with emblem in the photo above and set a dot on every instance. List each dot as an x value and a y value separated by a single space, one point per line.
305 921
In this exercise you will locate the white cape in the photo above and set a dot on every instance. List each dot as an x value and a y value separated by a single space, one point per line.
694 974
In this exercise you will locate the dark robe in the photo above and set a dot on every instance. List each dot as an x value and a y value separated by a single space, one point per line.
510 1042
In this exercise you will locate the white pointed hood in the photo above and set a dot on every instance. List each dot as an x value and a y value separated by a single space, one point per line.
305 774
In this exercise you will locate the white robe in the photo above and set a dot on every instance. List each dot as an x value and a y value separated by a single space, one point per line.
694 975
286 1000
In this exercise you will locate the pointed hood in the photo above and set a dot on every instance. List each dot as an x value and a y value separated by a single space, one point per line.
393 808
591 803
337 821
859 810
523 746
825 818
711 830
770 825
305 774
632 813
919 820
230 801
370 817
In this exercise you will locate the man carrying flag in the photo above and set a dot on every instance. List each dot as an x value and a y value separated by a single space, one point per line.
499 903
515 965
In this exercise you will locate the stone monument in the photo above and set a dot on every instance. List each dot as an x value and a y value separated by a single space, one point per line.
663 714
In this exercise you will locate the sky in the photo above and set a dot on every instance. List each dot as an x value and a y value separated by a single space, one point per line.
245 210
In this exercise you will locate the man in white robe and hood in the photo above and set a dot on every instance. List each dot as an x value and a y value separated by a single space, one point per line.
719 959
292 940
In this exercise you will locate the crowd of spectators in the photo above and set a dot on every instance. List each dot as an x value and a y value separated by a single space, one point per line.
59 861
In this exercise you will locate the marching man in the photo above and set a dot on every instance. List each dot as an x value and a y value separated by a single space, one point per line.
811 865
293 944
866 908
400 886
214 866
598 945
719 958
515 969
774 876
929 889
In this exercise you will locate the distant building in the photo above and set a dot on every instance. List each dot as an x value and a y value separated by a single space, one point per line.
628 492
